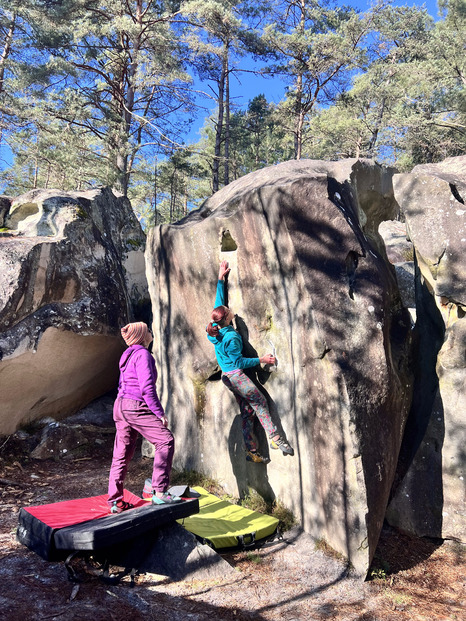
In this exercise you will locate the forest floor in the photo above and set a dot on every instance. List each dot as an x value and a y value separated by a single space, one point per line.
295 580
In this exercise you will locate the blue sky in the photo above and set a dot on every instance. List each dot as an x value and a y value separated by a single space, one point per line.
431 5
246 86
251 85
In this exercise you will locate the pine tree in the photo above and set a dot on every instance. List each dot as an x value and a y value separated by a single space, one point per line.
119 80
218 36
316 47
24 37
409 104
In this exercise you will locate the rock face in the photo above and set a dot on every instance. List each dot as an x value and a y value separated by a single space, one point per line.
72 275
430 492
5 204
309 276
400 254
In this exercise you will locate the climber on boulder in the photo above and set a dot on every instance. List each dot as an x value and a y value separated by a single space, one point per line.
228 350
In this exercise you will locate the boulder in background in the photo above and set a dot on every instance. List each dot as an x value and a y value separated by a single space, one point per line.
72 275
429 497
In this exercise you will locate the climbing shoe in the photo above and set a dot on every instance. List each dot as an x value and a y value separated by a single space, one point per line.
120 505
256 457
282 444
165 499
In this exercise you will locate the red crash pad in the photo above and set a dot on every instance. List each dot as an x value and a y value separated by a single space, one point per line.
69 512
55 530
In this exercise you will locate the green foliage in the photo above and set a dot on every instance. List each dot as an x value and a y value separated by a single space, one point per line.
255 502
101 93
333 133
379 569
166 191
134 244
82 213
256 140
377 574
324 547
406 105
54 155
285 517
254 558
217 37
316 47
117 78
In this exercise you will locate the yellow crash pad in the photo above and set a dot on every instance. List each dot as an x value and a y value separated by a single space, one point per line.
222 524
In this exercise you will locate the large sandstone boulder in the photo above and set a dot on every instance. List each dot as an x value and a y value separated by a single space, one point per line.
430 492
400 253
72 272
309 276
5 204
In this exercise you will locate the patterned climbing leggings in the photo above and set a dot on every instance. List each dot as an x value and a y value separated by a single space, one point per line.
251 403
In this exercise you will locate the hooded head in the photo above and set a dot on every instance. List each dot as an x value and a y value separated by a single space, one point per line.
135 333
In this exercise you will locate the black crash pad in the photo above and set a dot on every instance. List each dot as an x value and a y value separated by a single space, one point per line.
55 530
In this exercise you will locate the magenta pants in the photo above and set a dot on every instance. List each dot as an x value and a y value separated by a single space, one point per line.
132 417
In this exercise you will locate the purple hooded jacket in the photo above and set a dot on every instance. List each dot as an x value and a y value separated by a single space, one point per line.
137 378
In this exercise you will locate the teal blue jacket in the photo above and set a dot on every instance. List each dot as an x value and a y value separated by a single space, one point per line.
229 344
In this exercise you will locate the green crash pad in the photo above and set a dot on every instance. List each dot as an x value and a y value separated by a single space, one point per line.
223 525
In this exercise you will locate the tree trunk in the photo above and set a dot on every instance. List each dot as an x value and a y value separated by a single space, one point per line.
357 154
298 146
218 131
36 175
127 95
172 195
6 52
155 191
375 131
227 118
47 180
298 136
121 166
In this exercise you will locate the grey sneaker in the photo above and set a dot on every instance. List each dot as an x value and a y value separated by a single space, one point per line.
282 444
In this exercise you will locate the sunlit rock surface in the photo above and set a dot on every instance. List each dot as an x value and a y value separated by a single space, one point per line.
72 273
431 490
309 277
